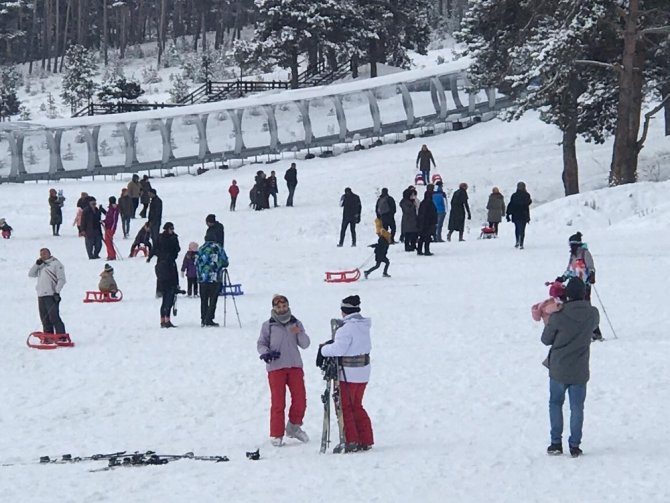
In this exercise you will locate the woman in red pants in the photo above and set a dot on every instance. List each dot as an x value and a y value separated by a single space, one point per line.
278 344
352 343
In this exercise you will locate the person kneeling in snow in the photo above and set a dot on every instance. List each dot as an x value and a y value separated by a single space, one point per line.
381 249
278 346
107 282
352 344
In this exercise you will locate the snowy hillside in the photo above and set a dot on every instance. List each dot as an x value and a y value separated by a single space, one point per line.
458 397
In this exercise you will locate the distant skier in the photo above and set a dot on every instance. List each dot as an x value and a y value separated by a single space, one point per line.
423 160
351 215
277 345
381 250
352 344
496 209
50 275
459 207
518 211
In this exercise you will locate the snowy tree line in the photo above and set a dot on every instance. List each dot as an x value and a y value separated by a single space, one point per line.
588 66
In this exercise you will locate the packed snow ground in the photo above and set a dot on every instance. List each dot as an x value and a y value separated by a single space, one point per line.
458 396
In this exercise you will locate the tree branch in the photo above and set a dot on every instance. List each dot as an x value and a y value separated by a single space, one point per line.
647 117
610 66
653 29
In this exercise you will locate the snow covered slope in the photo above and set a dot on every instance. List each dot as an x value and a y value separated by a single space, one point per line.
458 397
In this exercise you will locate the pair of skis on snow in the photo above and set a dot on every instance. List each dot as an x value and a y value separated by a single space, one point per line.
331 373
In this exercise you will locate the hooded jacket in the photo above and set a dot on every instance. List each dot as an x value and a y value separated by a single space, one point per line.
352 339
107 282
276 336
210 261
50 276
569 333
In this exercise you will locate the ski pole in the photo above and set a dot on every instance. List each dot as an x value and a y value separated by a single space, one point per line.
119 255
604 311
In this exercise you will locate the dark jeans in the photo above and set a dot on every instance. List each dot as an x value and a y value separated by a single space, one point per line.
55 229
423 244
155 231
388 222
577 394
143 213
426 177
440 224
289 201
50 315
410 241
343 231
192 286
378 263
168 301
274 196
519 232
233 202
93 245
136 203
209 295
125 225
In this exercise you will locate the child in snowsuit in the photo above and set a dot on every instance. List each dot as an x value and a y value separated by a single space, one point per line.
188 267
381 249
233 190
5 228
107 282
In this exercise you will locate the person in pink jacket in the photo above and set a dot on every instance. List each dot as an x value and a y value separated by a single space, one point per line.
542 310
352 344
278 344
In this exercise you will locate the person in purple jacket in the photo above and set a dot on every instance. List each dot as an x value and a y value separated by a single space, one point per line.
278 344
189 270
110 222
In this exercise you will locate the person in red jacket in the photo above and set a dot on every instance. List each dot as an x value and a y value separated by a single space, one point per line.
233 190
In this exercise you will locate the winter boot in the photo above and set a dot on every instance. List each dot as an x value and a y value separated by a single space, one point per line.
386 275
168 323
163 322
366 274
555 450
575 452
277 441
294 431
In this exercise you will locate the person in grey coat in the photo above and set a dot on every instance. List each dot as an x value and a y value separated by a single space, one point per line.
569 333
277 345
50 275
496 209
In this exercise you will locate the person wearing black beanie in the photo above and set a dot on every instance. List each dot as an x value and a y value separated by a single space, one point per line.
352 344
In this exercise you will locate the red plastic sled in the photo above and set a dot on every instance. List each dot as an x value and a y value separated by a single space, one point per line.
487 233
418 179
343 276
140 248
92 296
49 341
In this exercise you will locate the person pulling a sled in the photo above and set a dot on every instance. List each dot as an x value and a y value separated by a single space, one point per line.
352 344
277 345
107 282
381 250
50 275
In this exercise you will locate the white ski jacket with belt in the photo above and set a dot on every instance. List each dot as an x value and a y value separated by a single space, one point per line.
352 339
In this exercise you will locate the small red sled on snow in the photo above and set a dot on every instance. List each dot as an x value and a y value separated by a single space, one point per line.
141 248
343 276
487 233
95 296
49 341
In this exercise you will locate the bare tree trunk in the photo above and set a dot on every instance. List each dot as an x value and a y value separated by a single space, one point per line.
238 20
294 68
33 36
47 36
626 150
57 37
105 32
203 23
80 23
161 30
372 56
665 92
123 22
68 10
570 97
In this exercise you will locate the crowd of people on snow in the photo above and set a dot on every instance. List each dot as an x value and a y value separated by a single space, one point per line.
570 322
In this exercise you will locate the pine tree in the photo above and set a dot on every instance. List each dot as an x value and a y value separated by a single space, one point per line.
52 110
179 88
9 101
120 90
78 84
30 155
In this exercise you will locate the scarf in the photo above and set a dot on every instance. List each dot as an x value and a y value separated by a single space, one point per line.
281 318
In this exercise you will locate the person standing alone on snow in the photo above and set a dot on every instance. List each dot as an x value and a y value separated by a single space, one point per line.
233 190
278 344
423 160
569 332
352 344
351 215
518 211
291 177
50 275
56 211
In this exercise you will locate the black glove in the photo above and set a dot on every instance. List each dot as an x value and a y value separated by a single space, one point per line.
509 219
57 297
148 259
319 356
469 216
39 261
592 278
269 356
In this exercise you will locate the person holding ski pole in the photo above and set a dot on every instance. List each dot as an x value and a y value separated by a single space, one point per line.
352 344
277 345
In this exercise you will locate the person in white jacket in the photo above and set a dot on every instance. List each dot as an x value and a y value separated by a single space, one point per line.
50 275
353 345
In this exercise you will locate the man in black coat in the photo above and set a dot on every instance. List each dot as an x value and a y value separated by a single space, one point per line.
273 189
351 214
426 221
423 160
518 210
155 214
386 209
215 232
166 248
90 226
459 206
291 178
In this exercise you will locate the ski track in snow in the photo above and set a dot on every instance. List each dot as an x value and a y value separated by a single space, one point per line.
458 397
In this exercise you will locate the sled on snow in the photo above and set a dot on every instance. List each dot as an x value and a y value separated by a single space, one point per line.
43 340
141 248
228 290
487 233
96 296
343 276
